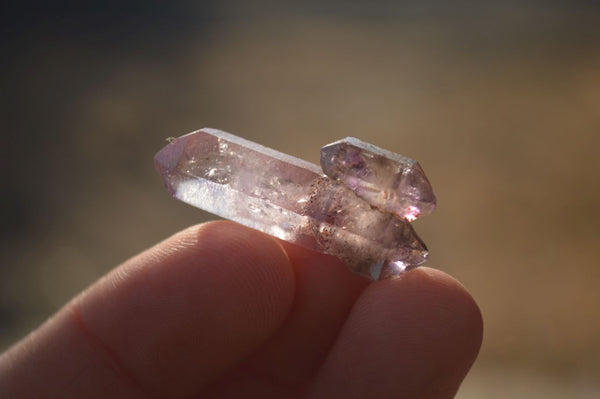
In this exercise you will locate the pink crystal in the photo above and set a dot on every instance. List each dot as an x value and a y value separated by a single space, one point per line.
288 198
388 181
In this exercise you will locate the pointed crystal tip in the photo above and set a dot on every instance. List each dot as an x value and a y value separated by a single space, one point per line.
388 181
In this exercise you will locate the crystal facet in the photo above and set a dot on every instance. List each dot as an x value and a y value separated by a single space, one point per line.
388 181
291 199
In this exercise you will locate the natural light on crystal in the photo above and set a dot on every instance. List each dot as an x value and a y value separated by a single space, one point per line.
359 210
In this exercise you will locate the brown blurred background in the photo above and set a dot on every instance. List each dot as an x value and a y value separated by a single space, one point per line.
499 101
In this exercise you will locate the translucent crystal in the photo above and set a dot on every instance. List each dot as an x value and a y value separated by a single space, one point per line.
288 198
388 181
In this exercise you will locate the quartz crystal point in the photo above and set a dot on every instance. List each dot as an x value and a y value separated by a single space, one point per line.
388 181
291 199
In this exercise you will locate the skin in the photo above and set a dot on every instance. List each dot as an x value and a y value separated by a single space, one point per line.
223 311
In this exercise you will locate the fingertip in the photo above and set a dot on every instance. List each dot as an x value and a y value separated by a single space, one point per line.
423 328
443 298
442 310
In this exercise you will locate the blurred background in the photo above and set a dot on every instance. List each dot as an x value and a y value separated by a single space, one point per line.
499 101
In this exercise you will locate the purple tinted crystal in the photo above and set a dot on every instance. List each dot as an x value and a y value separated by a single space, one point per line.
288 198
388 181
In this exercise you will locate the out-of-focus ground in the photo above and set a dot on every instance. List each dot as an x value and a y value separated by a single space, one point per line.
500 103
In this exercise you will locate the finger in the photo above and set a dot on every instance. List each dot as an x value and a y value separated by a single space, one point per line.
411 337
166 322
325 292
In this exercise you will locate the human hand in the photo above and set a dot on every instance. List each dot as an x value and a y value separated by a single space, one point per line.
222 311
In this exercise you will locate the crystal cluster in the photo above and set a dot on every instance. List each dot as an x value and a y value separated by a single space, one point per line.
359 211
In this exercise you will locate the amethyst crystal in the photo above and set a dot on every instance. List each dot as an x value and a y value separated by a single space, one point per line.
342 215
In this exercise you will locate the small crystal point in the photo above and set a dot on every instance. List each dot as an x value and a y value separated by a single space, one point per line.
388 181
290 199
